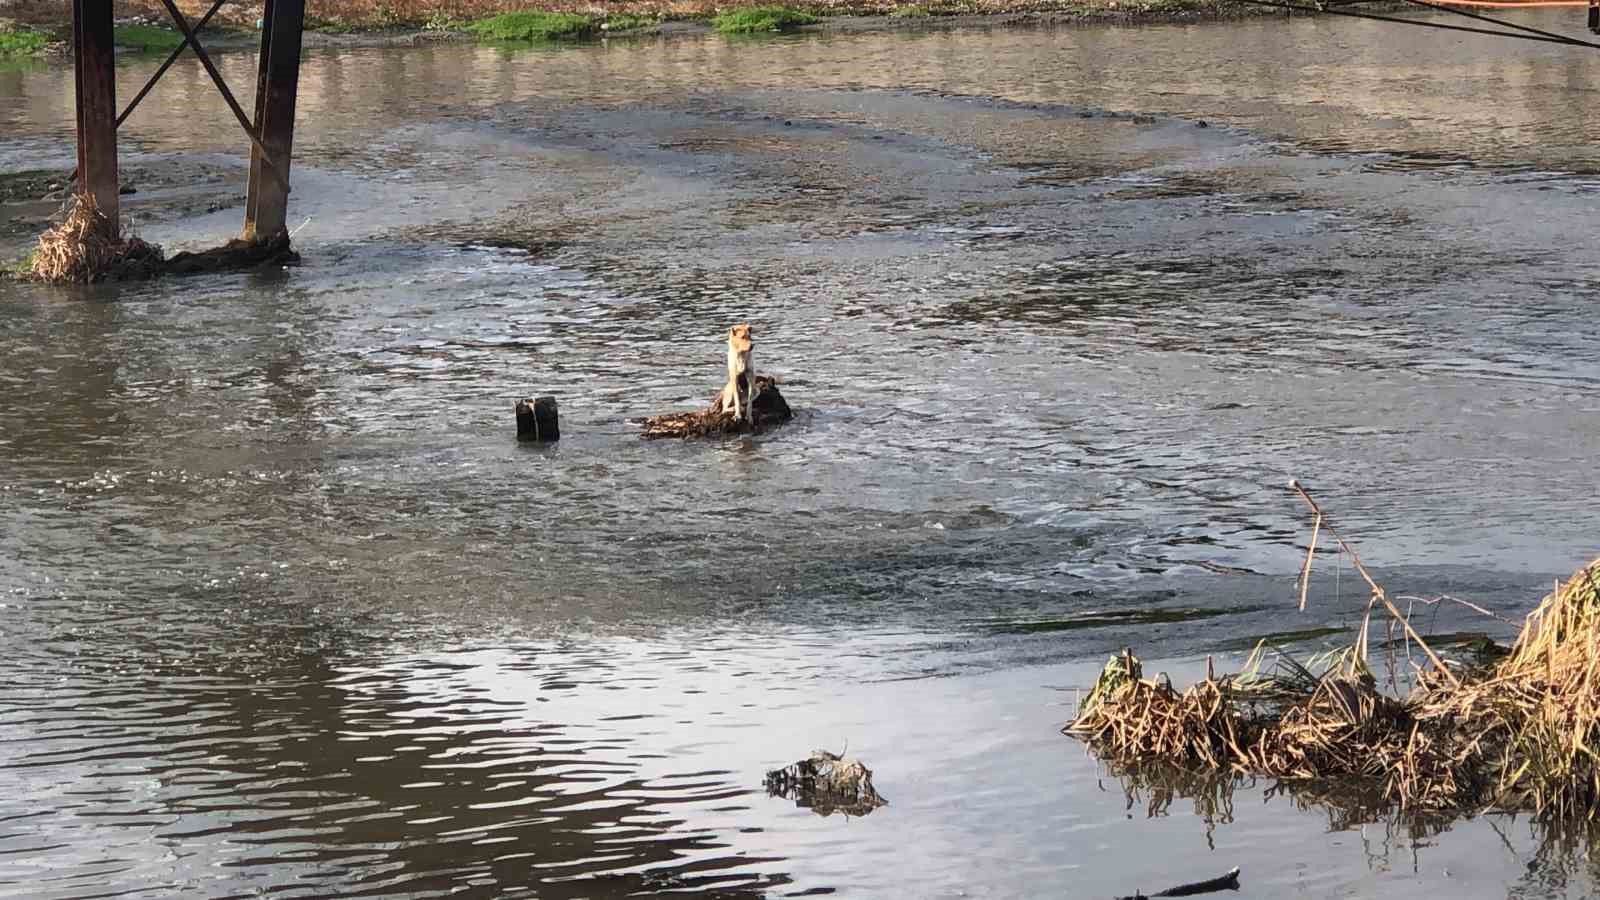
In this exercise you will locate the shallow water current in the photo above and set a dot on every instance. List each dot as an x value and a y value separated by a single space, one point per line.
285 608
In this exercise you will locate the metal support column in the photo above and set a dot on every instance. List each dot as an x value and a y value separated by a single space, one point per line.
267 203
93 54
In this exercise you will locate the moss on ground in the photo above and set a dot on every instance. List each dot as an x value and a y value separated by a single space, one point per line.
22 41
29 184
761 19
147 38
535 26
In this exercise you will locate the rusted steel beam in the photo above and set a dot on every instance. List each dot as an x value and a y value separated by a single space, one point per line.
148 85
267 203
171 58
94 62
211 69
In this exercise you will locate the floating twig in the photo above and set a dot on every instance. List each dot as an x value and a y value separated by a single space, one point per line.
1228 882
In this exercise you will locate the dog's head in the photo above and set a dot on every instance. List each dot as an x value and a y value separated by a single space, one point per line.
740 340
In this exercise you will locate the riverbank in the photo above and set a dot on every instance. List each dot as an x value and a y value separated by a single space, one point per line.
41 30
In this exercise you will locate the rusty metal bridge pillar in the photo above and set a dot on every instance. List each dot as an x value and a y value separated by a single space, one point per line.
267 202
95 67
271 134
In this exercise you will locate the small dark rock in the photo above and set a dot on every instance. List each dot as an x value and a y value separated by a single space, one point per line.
1202 124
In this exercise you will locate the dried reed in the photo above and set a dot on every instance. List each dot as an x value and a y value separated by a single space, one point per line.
1521 734
1534 718
86 247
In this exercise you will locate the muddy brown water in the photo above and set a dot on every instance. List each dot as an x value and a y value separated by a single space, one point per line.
285 609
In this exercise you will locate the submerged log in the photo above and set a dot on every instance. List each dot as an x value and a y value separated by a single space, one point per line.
537 420
1228 882
767 410
826 783
233 256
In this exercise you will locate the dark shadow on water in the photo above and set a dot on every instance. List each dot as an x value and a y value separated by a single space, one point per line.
292 753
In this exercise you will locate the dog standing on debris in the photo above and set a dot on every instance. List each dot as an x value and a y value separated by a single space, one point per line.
740 370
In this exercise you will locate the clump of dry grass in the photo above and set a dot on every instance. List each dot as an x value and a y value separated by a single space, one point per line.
1206 726
1535 716
86 247
1520 735
1290 724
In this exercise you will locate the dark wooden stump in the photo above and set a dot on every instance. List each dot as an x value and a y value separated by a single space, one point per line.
537 420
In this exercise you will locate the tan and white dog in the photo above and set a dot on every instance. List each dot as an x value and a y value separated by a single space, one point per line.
741 372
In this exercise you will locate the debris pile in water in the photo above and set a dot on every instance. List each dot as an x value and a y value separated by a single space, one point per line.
768 409
86 247
235 255
827 783
1520 734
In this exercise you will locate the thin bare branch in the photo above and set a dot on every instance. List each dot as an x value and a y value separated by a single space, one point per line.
1377 591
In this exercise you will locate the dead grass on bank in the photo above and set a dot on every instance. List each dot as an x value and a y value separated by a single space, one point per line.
1535 717
340 15
85 248
1517 735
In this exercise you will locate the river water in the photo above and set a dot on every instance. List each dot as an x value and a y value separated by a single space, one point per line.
285 608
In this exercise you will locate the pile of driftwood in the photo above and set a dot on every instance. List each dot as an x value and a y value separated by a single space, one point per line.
747 404
768 409
1518 733
86 247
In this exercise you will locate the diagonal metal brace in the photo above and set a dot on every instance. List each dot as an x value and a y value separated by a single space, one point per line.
150 85
227 95
171 58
